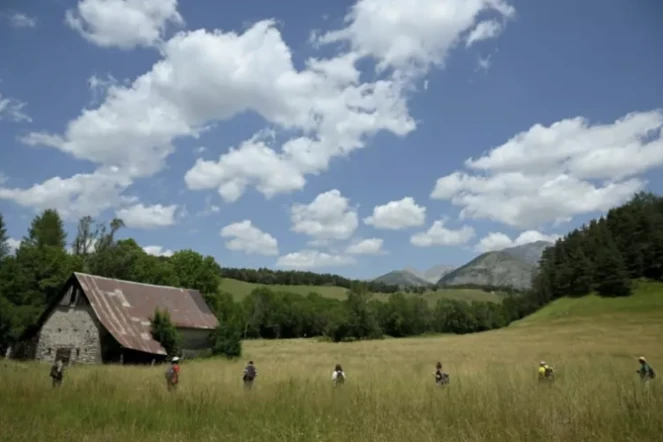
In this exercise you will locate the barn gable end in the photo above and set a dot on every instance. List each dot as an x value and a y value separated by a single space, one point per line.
71 331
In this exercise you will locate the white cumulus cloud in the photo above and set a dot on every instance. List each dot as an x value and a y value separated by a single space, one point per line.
310 259
21 20
419 33
80 195
483 31
397 215
245 237
13 244
140 216
12 109
499 241
369 246
328 217
438 235
123 23
207 76
158 251
551 174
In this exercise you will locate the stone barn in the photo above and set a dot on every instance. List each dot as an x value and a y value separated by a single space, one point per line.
108 320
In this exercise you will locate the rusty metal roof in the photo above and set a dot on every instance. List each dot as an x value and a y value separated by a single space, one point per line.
125 308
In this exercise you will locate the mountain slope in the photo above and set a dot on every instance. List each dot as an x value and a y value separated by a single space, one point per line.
435 273
402 278
530 253
499 269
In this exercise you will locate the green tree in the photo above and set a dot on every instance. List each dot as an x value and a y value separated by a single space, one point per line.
195 272
612 278
361 323
227 340
47 229
164 332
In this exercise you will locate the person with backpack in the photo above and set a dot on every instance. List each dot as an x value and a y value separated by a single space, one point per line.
646 372
57 373
441 378
173 374
545 371
250 374
338 376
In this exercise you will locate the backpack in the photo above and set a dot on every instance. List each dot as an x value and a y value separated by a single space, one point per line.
652 373
250 373
549 372
170 373
55 374
340 377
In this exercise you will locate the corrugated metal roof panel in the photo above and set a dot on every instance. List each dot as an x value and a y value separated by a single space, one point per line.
125 309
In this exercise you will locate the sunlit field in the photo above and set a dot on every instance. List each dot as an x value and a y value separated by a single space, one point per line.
389 394
241 289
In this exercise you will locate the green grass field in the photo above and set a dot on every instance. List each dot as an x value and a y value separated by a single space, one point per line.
646 304
241 289
389 396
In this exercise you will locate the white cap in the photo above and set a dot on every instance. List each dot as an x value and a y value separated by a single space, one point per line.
175 359
542 363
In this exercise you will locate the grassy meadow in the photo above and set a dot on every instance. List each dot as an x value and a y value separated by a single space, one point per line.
241 289
389 395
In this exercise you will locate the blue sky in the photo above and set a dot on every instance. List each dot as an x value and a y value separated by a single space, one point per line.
347 137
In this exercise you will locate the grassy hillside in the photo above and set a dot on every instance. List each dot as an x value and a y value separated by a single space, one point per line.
240 289
389 394
645 304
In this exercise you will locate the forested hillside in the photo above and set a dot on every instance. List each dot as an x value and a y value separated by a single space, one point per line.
606 254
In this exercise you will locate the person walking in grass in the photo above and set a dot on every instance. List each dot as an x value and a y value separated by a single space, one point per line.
338 376
250 374
545 371
173 374
57 373
441 378
646 372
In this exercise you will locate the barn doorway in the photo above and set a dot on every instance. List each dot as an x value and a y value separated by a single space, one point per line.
63 354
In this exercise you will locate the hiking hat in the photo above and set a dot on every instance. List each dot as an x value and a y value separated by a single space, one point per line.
175 359
642 358
542 363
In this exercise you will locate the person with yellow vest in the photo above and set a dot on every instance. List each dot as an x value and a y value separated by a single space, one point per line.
545 371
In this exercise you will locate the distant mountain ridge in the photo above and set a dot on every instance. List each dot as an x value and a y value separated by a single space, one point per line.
512 267
530 253
499 269
402 278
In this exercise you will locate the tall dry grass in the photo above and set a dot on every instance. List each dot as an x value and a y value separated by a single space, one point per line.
389 395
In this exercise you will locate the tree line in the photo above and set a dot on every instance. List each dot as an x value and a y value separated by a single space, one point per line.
274 314
606 254
32 277
602 256
266 276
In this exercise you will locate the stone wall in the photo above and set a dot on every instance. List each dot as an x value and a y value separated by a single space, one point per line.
71 331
